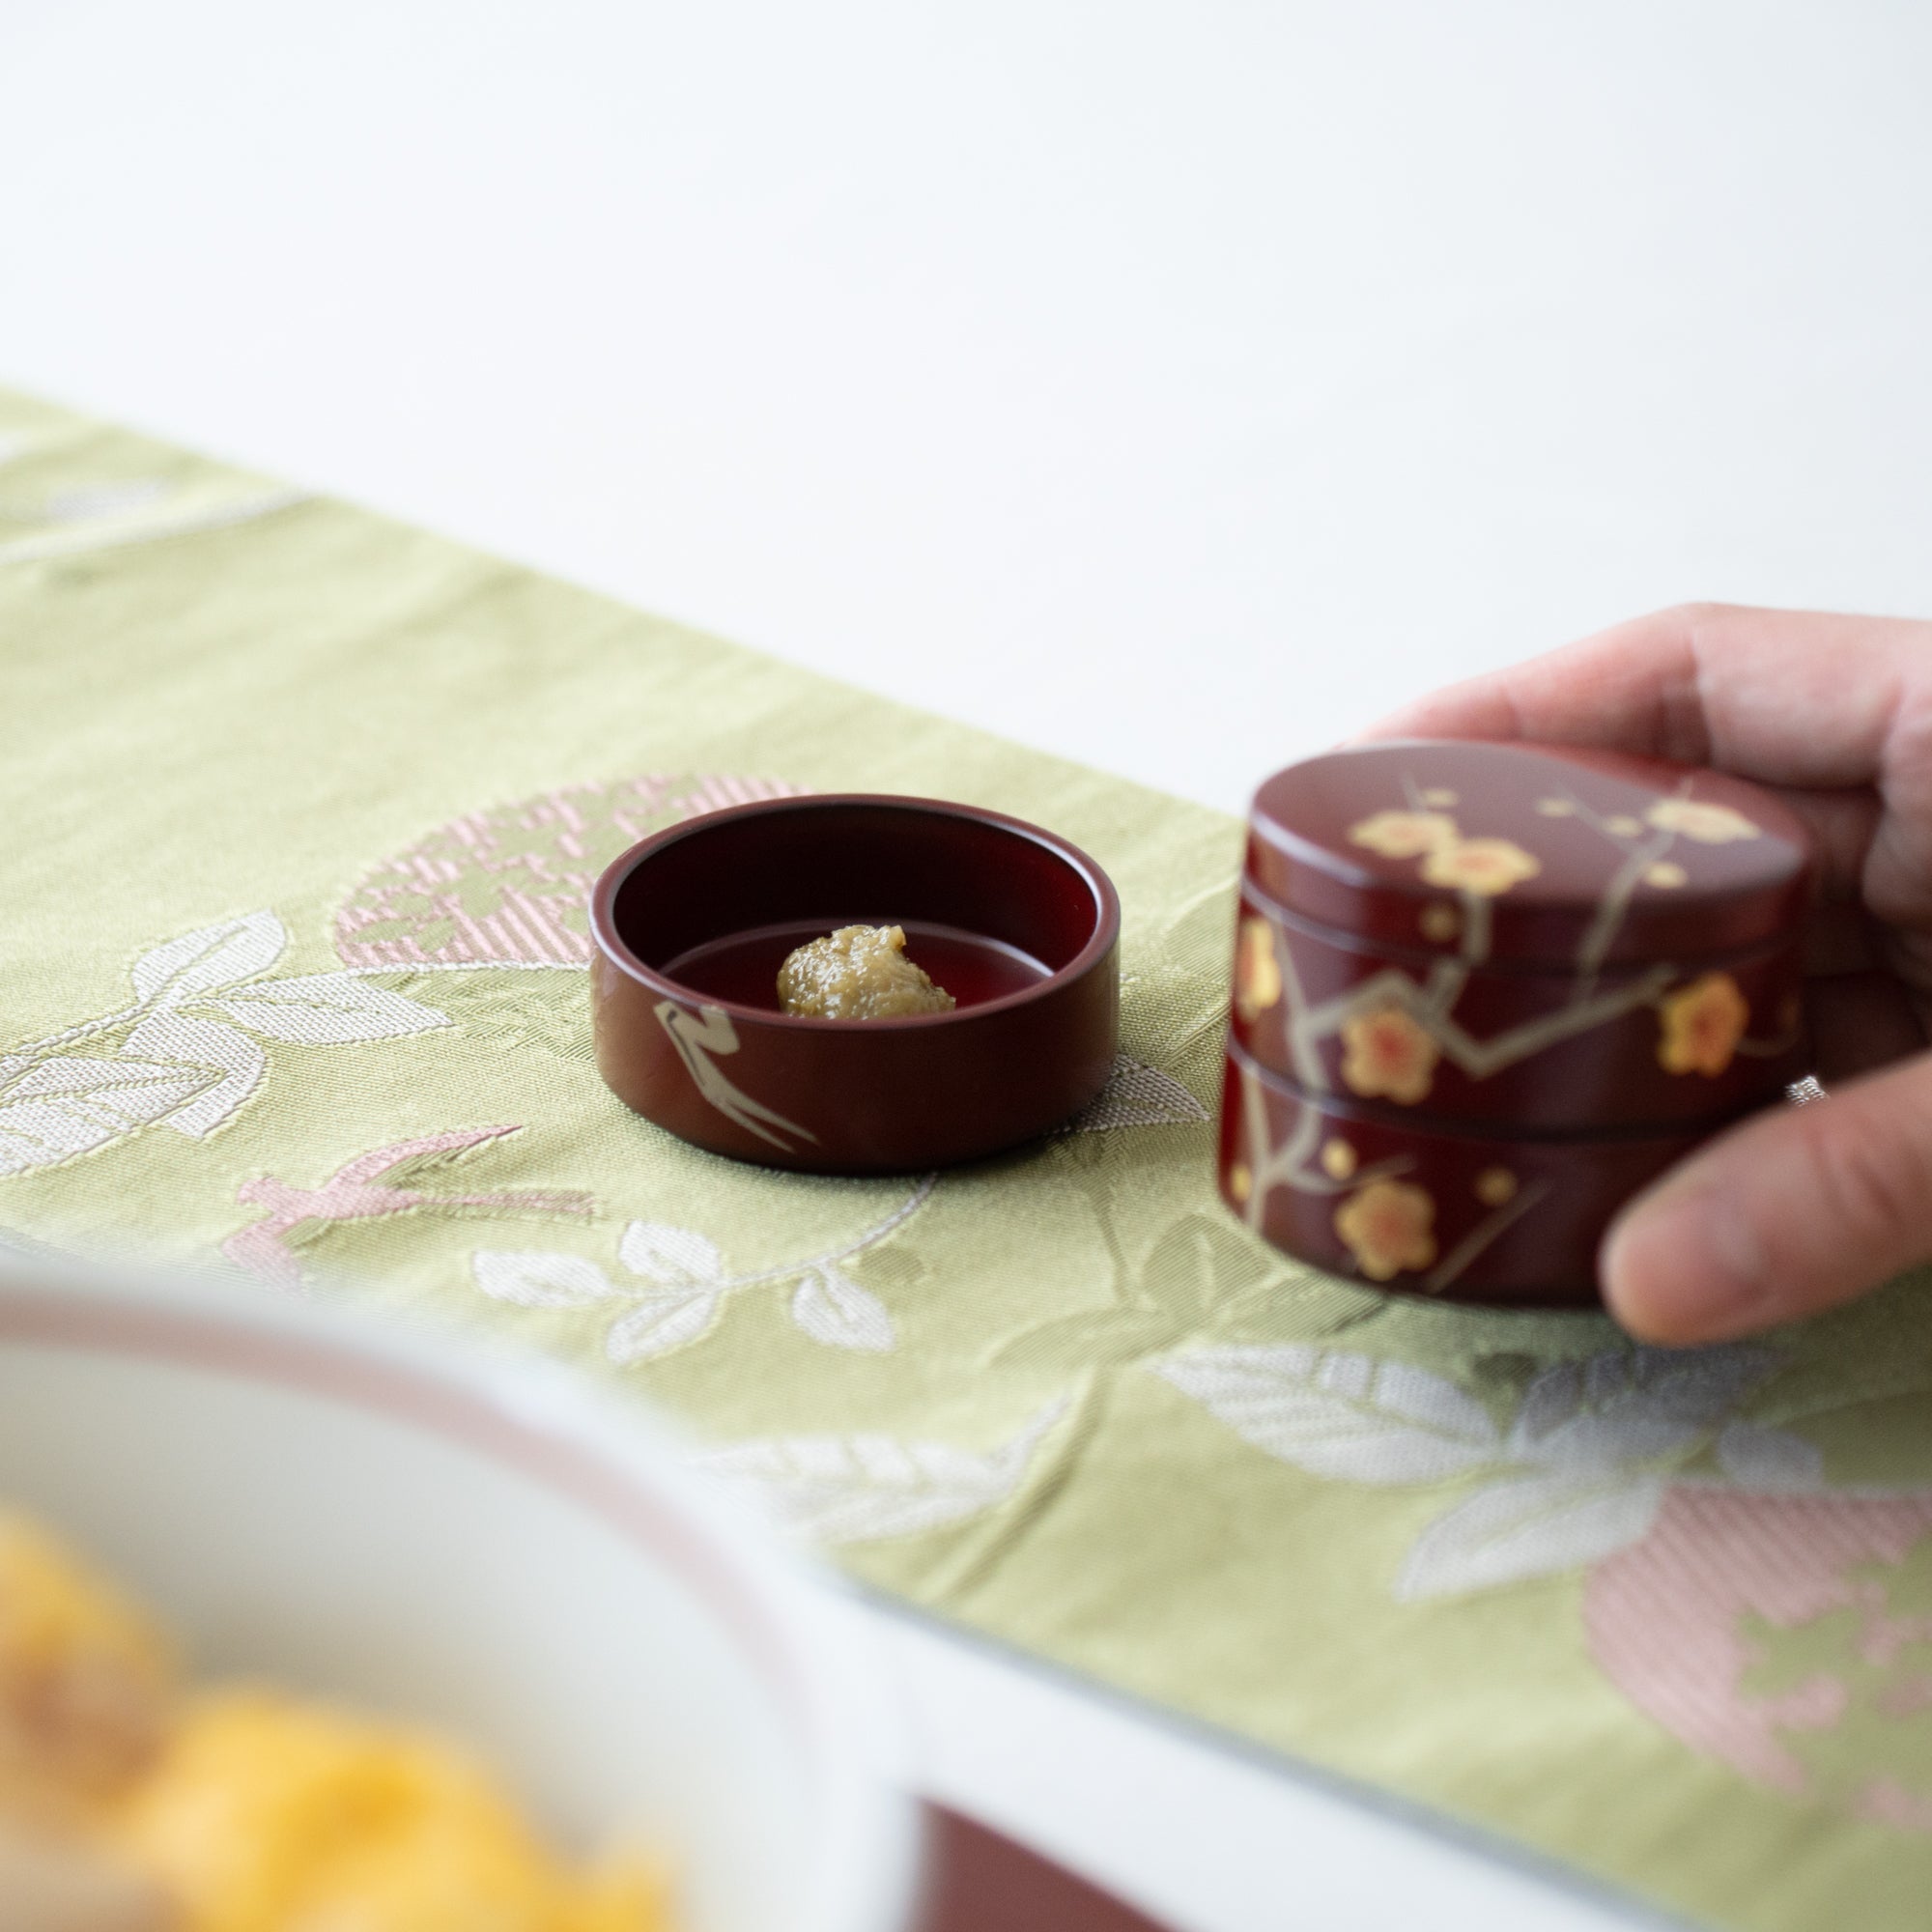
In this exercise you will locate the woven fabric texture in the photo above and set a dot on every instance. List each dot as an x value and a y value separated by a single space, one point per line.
301 808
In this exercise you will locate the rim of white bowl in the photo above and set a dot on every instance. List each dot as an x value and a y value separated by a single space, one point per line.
558 1428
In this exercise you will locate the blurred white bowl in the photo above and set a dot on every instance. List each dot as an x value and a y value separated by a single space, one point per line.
484 1545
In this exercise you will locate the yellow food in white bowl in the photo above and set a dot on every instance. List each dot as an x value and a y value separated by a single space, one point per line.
124 1802
452 1621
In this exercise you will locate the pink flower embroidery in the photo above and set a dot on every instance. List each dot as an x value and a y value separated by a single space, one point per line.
509 886
358 1191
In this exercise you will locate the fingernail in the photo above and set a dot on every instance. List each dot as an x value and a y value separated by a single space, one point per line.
1681 1265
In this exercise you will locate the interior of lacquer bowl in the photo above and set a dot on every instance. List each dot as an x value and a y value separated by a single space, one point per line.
990 908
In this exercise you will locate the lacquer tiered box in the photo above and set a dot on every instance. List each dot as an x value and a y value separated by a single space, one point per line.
1484 993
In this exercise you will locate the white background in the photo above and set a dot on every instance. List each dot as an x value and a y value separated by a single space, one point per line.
1174 387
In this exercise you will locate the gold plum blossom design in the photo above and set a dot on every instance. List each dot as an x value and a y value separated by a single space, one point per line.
1489 866
1701 822
1396 1031
1495 1187
1258 973
1703 1024
1388 1226
1338 1159
1405 835
1387 1053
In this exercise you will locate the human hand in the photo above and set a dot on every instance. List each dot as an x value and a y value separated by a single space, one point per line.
1798 1208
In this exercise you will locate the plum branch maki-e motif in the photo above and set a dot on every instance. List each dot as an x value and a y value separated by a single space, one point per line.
1549 976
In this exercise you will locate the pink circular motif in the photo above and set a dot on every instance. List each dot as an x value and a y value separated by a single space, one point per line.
508 885
1668 1620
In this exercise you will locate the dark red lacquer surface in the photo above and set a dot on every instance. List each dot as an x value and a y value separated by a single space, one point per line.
1614 1072
1501 987
980 1881
688 1031
1405 1205
1585 818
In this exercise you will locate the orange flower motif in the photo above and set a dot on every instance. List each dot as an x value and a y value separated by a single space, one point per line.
1495 1186
1338 1159
1387 1052
1387 1226
1257 972
1702 1025
1694 819
1486 865
1405 835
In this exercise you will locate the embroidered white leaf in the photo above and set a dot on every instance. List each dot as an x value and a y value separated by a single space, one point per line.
207 1044
854 1488
128 1092
1550 1400
328 1009
1136 1095
1345 1416
533 1278
658 1323
1755 1457
87 501
209 958
832 1308
1630 1406
69 1105
1533 1526
676 1257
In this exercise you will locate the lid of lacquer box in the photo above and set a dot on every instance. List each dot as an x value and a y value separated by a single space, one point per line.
1542 856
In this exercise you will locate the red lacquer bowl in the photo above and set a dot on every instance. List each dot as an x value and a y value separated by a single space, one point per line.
692 925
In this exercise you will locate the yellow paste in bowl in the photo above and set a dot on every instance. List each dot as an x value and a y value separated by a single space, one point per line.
858 973
127 1806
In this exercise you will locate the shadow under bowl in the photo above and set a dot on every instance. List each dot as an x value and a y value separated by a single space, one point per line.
691 926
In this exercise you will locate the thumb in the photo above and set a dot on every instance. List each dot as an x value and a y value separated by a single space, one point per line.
1795 1210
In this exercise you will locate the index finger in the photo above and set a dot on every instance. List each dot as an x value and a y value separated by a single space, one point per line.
1793 697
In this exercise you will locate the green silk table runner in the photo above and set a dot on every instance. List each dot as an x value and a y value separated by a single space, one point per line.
301 808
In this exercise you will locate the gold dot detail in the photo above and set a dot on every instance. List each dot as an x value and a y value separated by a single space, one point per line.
1667 873
1440 923
1337 1160
1555 808
1623 825
1240 1183
1440 797
1494 1185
